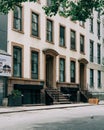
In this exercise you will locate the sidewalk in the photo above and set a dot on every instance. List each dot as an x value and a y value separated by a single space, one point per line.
4 110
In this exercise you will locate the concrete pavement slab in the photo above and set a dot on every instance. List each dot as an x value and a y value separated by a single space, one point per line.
4 110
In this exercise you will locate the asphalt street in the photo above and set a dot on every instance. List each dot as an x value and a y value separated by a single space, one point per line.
77 118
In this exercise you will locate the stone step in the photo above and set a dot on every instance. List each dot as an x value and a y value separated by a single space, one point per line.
59 98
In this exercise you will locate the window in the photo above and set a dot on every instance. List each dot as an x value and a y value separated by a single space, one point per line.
98 29
49 2
17 24
62 70
35 27
98 15
81 23
91 25
73 40
98 54
34 65
91 78
99 78
49 31
62 36
72 71
91 51
82 43
17 62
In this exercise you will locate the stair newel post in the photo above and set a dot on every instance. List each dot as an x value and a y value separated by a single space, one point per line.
78 96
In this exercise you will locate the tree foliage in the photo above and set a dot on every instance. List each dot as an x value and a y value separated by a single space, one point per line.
76 9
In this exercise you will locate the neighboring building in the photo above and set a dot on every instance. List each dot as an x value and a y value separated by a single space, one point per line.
5 58
50 52
95 36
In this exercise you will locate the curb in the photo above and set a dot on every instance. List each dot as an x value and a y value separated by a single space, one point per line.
46 108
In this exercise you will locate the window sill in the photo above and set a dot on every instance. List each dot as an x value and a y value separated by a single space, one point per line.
83 53
62 46
51 42
73 49
73 83
91 32
22 32
82 26
37 37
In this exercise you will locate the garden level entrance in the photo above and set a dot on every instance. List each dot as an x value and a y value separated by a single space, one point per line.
31 94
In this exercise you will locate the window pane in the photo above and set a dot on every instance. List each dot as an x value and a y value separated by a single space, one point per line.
91 78
72 71
62 70
34 65
17 24
34 17
17 62
49 31
18 18
98 54
35 24
62 36
73 40
91 51
91 25
98 29
99 78
81 43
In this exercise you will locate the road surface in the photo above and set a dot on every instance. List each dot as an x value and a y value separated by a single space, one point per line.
78 118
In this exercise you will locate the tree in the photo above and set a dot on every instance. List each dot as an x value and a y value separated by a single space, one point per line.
76 9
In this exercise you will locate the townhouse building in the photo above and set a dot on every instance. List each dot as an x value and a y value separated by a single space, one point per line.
5 58
95 36
52 53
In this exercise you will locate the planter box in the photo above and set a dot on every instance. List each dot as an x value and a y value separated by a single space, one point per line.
93 100
14 101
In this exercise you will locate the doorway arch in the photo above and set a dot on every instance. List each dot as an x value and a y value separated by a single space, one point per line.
83 73
50 67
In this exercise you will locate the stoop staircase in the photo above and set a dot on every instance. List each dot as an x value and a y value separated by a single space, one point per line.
57 97
85 95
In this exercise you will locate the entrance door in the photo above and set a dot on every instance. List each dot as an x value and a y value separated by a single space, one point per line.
82 76
1 90
49 71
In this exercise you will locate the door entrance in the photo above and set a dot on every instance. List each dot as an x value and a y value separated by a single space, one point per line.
82 76
83 73
49 71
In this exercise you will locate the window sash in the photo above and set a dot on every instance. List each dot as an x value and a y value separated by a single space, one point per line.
91 77
91 24
98 28
62 36
35 27
72 71
99 78
81 43
17 62
73 40
34 65
91 51
62 70
49 33
18 18
98 54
